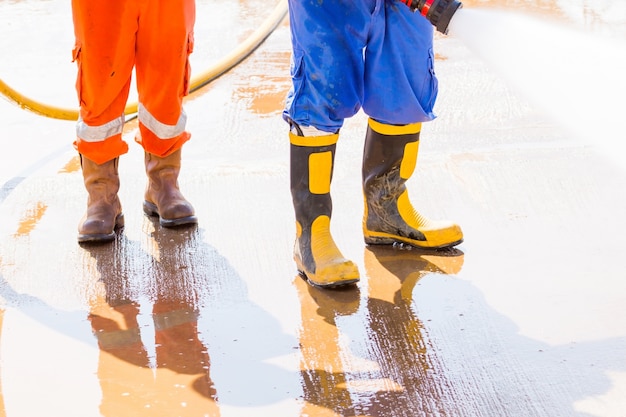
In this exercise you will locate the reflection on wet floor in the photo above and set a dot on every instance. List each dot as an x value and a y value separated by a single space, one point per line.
212 320
30 219
2 408
266 89
396 375
175 378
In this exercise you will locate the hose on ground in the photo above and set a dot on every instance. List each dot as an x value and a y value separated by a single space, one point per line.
228 62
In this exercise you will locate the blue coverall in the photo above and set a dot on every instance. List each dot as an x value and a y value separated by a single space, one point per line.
351 54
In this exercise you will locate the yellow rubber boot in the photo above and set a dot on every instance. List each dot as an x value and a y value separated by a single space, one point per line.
389 160
316 254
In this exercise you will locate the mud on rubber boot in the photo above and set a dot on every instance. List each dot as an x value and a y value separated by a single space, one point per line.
316 255
389 160
163 197
104 211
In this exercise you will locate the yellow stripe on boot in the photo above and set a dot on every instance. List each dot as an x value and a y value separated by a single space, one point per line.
435 233
329 268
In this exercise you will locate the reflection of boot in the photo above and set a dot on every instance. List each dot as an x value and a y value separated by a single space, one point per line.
104 210
117 331
394 328
343 301
182 359
316 253
394 273
389 160
163 197
324 381
178 347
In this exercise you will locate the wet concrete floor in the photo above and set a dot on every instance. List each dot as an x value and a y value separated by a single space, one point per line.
525 318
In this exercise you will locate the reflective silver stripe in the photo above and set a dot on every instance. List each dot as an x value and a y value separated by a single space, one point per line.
161 130
117 338
163 321
99 133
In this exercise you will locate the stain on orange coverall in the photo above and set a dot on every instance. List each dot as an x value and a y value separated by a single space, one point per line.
114 36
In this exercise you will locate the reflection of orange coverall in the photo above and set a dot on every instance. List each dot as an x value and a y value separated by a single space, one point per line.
113 36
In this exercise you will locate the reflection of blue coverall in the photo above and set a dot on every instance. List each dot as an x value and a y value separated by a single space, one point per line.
349 55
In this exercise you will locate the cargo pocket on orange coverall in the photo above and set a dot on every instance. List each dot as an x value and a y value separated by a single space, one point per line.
187 80
79 77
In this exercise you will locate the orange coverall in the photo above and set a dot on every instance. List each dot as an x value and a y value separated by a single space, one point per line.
114 36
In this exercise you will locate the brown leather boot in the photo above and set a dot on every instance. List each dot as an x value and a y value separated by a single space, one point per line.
104 210
163 197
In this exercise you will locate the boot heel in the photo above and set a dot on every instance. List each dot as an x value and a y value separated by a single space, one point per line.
150 209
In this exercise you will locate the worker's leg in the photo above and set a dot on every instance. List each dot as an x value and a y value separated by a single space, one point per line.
164 42
327 76
104 52
399 96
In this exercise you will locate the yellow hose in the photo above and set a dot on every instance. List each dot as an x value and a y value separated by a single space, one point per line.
221 67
